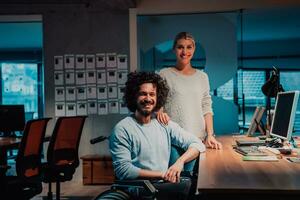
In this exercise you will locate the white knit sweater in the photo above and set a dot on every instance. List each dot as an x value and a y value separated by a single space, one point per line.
189 99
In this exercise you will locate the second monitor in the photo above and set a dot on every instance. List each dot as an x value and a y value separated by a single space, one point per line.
284 115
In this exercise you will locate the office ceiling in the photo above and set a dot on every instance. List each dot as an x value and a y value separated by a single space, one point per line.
121 4
258 24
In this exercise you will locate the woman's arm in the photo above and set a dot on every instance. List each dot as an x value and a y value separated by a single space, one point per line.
211 139
162 117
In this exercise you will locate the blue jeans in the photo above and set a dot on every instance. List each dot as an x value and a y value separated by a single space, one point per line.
166 190
176 152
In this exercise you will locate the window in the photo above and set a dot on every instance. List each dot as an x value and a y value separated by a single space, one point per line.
290 81
226 91
250 94
19 83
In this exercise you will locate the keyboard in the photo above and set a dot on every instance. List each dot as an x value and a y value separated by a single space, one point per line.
250 151
250 142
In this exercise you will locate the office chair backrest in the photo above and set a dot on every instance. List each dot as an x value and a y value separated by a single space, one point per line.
28 161
64 143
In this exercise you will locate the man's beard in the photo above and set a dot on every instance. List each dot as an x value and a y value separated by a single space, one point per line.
144 113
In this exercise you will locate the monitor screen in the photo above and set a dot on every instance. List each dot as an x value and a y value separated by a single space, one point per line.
12 118
284 114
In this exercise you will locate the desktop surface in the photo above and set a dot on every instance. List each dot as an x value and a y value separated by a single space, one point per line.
224 170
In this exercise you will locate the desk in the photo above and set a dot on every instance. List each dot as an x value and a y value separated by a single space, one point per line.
224 171
7 143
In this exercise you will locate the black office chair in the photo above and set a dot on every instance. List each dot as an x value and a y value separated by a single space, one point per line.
130 189
28 182
62 154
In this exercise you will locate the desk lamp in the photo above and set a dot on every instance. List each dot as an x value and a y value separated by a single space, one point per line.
270 89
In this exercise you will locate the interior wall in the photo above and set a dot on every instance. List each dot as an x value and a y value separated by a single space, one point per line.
283 54
78 29
84 33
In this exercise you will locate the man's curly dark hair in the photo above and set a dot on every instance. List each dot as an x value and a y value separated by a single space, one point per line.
135 80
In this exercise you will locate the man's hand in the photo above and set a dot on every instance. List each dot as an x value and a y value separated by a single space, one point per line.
162 117
212 142
173 173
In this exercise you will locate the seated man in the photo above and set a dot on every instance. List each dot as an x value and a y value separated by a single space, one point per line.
141 146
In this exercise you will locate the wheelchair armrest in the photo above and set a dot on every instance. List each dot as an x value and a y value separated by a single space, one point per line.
136 183
98 139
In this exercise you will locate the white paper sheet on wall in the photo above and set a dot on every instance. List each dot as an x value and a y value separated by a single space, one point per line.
70 77
92 107
69 61
112 91
121 90
91 91
91 77
122 76
58 62
113 106
80 77
111 75
70 109
81 92
70 93
80 61
58 77
90 61
59 94
100 61
123 108
101 77
101 92
111 60
81 108
102 108
60 109
122 61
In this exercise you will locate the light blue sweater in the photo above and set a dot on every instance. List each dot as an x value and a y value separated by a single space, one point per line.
134 146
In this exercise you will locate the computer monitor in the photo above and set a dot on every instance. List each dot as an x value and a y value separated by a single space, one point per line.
256 121
284 115
12 118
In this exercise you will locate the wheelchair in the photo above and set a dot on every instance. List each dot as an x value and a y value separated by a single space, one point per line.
129 189
142 189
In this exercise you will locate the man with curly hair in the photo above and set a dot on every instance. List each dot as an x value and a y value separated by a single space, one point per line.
141 146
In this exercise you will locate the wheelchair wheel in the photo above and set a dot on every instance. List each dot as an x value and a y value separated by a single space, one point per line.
113 194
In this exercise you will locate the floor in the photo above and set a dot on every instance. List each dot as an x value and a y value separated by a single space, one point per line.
74 191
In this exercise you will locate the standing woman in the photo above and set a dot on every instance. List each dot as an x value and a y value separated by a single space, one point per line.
189 102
